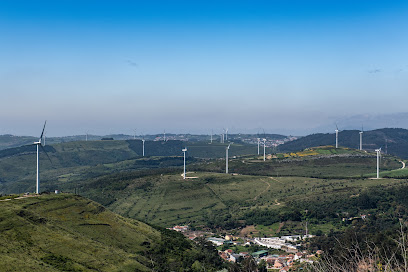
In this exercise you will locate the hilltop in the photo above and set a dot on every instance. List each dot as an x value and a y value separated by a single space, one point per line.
71 233
392 140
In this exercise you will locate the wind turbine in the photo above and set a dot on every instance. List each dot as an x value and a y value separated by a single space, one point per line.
378 161
211 135
143 141
226 158
337 136
184 151
259 140
264 142
164 136
226 134
361 138
39 144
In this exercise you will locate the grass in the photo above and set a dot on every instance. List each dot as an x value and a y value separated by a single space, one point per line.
80 160
344 163
167 199
70 233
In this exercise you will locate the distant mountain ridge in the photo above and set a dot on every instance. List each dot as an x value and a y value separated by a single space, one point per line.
392 141
12 141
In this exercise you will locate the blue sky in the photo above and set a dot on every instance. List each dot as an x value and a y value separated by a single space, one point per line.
192 66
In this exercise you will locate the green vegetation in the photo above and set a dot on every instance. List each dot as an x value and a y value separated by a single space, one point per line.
81 160
331 190
10 141
394 140
220 200
70 233
324 162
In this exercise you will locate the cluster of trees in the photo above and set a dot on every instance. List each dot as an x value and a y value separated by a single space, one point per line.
176 253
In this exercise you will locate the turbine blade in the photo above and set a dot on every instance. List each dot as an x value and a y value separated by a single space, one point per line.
42 133
42 147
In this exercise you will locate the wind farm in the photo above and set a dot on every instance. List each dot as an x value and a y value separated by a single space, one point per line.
192 136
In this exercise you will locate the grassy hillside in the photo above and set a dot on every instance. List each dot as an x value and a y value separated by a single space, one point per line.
75 161
392 140
322 162
70 233
212 199
10 141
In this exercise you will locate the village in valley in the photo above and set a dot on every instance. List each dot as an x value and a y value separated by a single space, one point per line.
277 253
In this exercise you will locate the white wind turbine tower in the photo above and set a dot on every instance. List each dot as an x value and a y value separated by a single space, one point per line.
226 134
337 136
264 142
184 151
39 144
143 143
361 138
164 136
211 135
226 158
259 141
378 161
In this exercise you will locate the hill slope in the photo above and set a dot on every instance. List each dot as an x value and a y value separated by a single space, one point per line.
71 233
392 140
83 159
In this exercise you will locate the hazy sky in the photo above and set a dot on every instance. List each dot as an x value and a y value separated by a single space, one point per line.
193 66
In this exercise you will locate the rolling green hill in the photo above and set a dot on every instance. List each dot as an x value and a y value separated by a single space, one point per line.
164 198
70 233
75 161
10 141
392 140
222 200
320 162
